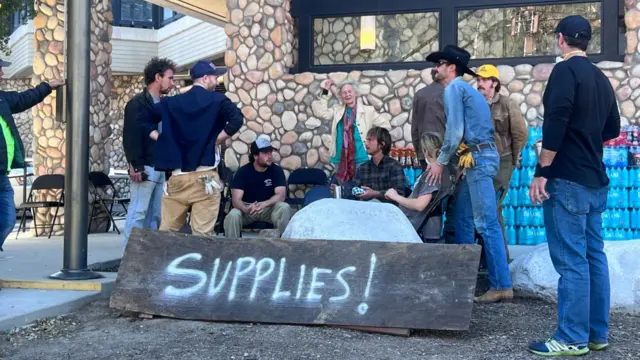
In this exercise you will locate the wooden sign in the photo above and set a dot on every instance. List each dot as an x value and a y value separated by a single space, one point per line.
358 283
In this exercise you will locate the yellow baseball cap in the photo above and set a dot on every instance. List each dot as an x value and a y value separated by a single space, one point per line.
488 71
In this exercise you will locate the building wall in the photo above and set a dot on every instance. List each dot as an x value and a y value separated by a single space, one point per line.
279 104
22 51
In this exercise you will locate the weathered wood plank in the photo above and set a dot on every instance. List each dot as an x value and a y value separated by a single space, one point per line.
357 283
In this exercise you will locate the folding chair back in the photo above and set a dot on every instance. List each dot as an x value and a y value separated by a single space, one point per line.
447 188
305 176
43 182
105 197
48 182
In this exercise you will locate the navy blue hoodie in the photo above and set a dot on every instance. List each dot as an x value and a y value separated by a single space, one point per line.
191 123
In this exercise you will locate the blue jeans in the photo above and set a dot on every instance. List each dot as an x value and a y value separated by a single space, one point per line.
476 208
7 209
146 203
573 221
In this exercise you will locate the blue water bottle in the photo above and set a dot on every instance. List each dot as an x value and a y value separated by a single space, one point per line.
626 219
606 219
515 178
522 237
531 235
513 198
519 216
511 235
624 181
612 198
511 215
634 197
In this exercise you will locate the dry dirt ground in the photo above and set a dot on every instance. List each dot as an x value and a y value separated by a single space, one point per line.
499 331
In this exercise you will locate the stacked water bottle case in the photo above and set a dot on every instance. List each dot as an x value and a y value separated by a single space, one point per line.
524 223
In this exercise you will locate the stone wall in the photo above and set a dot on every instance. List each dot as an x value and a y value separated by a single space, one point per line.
279 104
49 134
24 120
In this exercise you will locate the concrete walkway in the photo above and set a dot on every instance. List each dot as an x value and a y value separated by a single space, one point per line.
28 294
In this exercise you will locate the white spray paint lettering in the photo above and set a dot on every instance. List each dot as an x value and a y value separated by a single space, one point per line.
261 272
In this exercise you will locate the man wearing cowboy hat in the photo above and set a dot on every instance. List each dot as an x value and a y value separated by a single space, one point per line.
469 122
510 131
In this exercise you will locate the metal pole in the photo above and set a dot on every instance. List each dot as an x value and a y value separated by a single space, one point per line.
76 208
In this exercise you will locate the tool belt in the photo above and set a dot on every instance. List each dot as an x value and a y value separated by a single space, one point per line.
464 152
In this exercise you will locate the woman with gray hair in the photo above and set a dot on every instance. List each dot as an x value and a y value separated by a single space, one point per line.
350 122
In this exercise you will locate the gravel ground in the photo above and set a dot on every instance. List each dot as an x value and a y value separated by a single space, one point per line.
498 331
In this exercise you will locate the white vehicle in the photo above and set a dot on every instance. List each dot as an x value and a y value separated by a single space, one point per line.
21 184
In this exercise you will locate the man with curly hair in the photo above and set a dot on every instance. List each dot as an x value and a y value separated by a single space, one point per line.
146 183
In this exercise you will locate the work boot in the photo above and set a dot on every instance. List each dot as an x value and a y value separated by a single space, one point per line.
493 296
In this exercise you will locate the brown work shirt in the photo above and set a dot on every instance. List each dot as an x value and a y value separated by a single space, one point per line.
428 114
511 132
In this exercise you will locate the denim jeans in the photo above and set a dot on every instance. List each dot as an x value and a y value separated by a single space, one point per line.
573 221
476 208
146 201
7 209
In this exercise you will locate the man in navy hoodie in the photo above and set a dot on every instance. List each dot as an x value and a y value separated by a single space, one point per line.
193 125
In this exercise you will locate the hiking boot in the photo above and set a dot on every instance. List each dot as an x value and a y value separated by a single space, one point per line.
493 296
597 346
552 347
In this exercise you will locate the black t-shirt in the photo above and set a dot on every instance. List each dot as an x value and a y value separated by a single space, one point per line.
258 186
580 113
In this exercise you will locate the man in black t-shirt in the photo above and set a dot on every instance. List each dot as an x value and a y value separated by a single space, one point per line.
257 192
580 113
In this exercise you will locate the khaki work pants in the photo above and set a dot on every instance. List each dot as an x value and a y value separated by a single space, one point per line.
503 179
188 191
278 215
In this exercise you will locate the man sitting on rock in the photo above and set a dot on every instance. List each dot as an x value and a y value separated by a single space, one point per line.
257 192
381 172
415 206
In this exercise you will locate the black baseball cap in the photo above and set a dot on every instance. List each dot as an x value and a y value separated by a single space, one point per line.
261 145
574 26
4 63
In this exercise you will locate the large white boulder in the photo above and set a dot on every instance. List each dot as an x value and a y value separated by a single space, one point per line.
333 219
534 275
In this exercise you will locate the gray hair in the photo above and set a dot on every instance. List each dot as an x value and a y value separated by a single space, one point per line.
353 83
430 143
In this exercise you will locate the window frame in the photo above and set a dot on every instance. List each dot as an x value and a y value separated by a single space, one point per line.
307 11
157 21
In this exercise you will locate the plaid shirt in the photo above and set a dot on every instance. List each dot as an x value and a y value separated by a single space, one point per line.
382 177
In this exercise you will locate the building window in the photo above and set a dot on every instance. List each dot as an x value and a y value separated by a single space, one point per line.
136 11
375 38
622 29
521 31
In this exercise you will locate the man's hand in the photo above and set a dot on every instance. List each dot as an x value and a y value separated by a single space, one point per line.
56 83
257 207
368 194
222 137
391 194
537 192
136 176
154 135
434 175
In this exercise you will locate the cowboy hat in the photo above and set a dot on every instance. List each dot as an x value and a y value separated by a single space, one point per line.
454 55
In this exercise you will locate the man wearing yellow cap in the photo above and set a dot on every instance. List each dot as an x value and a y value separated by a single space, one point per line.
510 130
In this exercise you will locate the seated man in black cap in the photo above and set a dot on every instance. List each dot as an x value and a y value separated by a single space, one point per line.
470 134
258 191
193 125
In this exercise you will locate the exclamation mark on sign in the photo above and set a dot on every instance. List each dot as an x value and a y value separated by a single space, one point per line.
363 307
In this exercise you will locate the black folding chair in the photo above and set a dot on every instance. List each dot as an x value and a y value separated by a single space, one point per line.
305 176
42 183
435 207
105 197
